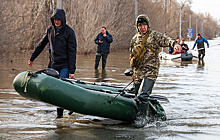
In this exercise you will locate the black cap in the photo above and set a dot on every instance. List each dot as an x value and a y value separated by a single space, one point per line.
141 20
199 34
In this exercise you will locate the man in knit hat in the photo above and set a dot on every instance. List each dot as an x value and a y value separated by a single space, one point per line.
146 71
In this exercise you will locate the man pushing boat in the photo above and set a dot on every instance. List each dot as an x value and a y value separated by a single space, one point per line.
63 46
144 61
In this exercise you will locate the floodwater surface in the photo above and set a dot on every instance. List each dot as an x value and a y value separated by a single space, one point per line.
192 88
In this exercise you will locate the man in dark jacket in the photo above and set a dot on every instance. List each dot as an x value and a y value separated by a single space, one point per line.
63 46
184 46
103 40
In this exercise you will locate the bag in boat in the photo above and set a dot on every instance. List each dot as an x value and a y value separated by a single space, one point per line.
177 49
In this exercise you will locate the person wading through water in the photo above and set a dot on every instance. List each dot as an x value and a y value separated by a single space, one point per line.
63 46
200 46
103 40
144 61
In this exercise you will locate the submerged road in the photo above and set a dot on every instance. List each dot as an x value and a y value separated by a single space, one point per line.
192 88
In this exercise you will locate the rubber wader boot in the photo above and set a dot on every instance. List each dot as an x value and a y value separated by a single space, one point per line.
143 103
199 56
103 66
97 59
136 87
203 55
59 113
104 60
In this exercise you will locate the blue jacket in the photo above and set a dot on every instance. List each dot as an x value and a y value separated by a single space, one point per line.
200 42
105 46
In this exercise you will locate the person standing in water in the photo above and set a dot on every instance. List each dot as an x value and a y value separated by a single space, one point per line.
200 46
62 40
103 40
145 68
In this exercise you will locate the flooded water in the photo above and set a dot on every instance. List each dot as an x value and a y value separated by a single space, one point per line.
192 88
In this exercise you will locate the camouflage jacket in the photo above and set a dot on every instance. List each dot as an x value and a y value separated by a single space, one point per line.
149 67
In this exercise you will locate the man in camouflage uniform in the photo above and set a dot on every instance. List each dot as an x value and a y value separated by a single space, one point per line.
145 74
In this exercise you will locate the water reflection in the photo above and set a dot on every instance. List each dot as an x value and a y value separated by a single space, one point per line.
186 63
192 88
200 65
100 76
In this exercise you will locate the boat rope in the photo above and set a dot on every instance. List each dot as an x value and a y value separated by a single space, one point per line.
25 80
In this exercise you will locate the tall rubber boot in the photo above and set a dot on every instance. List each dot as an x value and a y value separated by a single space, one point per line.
142 115
203 55
136 88
59 112
147 87
104 60
97 59
143 103
199 55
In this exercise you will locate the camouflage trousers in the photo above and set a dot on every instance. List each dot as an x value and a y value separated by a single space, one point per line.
145 73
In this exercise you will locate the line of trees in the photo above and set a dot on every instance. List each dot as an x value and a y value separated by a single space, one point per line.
24 22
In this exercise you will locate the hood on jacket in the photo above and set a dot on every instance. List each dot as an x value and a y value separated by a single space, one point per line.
146 18
59 14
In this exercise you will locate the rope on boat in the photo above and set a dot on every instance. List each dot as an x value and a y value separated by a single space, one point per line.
25 80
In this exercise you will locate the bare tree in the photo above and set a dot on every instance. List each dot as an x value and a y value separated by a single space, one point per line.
88 16
24 22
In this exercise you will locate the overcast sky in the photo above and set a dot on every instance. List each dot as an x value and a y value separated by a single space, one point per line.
206 6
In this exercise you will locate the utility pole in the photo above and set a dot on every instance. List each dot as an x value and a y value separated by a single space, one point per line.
165 17
180 22
165 28
136 9
202 27
190 24
196 25
190 21
59 4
